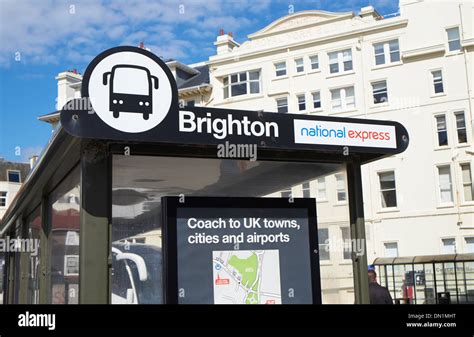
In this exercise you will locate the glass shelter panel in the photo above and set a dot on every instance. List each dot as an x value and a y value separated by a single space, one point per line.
139 182
34 229
64 216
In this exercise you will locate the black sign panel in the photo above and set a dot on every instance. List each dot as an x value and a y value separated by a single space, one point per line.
241 251
129 94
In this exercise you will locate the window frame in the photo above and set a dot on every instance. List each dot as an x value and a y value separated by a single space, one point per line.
311 63
466 243
65 264
437 131
281 99
340 61
466 183
442 239
386 52
5 198
318 198
276 70
227 87
448 40
395 51
343 105
381 103
238 83
433 83
344 245
385 243
466 129
387 208
299 68
325 245
379 54
19 176
259 81
299 103
442 203
338 190
72 238
313 100
308 189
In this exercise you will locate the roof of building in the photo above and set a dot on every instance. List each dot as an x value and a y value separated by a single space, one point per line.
199 75
423 259
5 166
50 117
305 17
176 64
202 77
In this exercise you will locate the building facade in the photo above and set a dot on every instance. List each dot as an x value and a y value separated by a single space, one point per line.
12 174
415 67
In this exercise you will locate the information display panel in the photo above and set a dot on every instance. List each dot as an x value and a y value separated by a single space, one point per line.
241 251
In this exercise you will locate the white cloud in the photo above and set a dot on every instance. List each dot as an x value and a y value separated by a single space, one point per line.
30 151
195 33
135 38
31 76
56 31
35 28
116 31
179 49
229 22
77 57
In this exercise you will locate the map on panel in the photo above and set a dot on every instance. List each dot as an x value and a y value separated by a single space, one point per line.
246 277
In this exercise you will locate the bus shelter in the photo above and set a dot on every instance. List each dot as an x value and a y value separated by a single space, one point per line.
431 279
94 200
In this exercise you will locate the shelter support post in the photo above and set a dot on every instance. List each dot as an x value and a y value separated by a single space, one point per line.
95 224
45 258
357 223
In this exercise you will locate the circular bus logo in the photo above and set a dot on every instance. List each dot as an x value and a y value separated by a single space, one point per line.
129 89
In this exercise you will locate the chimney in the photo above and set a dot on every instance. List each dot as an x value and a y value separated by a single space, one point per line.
369 13
33 160
65 92
225 43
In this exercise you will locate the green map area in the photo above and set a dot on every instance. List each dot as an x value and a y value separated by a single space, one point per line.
248 268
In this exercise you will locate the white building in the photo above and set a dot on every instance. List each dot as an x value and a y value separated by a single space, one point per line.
415 68
12 175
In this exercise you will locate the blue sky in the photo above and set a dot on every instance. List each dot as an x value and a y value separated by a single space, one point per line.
52 36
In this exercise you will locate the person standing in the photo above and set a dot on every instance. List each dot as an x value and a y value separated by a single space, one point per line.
377 293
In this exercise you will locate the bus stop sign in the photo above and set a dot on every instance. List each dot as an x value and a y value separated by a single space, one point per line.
130 89
130 95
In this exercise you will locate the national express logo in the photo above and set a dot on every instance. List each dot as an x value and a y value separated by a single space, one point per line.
347 134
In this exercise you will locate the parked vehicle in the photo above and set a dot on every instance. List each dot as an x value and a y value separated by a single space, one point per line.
136 274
